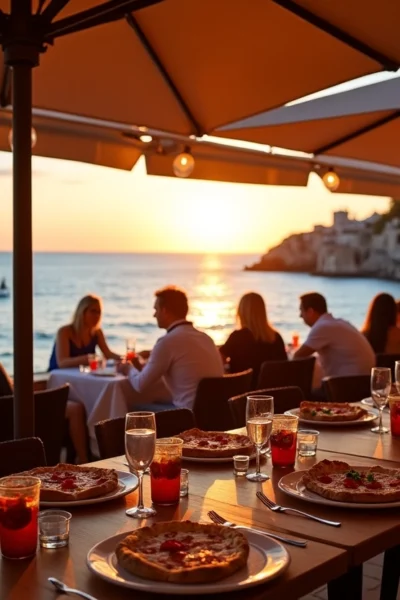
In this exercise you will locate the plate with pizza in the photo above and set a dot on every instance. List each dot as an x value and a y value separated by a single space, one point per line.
213 446
337 483
339 414
187 558
77 485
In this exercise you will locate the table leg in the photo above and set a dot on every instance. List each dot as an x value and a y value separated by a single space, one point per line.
390 574
348 586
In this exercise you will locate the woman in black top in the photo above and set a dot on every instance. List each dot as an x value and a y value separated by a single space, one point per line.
256 341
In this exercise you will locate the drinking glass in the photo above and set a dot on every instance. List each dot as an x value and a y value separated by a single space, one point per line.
92 360
259 414
394 406
130 349
381 381
140 444
165 471
397 375
284 440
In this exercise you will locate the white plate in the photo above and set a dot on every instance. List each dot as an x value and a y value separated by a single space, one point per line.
267 559
368 418
291 485
224 459
127 483
106 372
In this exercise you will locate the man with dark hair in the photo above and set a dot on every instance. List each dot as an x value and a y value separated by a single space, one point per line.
341 348
178 361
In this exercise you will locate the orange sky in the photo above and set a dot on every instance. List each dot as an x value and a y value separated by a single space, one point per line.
80 207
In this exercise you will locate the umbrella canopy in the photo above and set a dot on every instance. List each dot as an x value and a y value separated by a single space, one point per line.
362 123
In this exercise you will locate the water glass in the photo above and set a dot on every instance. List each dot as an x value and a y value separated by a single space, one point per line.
140 444
165 471
394 407
283 440
240 465
184 482
381 381
19 505
307 442
259 414
54 528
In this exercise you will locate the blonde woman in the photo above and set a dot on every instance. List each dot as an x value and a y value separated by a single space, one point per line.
74 342
256 341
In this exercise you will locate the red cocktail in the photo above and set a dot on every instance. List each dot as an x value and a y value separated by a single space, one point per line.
283 440
165 471
19 503
394 405
130 355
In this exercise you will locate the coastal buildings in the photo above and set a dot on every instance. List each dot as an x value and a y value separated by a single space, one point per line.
348 248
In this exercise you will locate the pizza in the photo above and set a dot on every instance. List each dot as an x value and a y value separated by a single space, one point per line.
331 411
64 482
342 482
183 552
214 444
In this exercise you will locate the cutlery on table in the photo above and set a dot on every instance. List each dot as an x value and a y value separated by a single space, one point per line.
216 518
64 589
277 508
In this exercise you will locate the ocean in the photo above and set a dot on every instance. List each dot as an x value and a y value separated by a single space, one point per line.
126 283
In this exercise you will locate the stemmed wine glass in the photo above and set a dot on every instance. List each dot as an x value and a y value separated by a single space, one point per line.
140 445
259 413
381 381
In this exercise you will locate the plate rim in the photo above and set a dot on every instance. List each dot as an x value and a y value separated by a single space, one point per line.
127 489
215 460
286 489
373 416
163 587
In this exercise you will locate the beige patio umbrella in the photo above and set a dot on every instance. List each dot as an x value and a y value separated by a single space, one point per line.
186 67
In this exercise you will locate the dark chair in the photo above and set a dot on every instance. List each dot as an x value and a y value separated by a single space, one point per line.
110 433
387 360
49 420
285 398
283 373
21 455
350 388
210 406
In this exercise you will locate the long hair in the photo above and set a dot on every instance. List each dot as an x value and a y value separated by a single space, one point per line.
253 315
83 304
381 316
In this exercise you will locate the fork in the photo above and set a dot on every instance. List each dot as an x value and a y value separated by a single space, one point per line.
216 518
277 508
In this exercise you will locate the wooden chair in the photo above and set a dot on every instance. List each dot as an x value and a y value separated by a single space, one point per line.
110 433
350 388
388 360
285 398
283 373
49 420
210 406
21 455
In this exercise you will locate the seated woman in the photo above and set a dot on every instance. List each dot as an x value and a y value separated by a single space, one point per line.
256 341
74 342
380 327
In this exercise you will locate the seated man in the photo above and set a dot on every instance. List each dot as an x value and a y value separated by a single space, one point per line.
180 359
341 348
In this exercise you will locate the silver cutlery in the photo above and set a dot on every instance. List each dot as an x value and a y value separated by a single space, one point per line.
216 518
277 508
64 589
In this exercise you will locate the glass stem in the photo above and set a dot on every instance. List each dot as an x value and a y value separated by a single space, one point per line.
380 418
140 501
258 449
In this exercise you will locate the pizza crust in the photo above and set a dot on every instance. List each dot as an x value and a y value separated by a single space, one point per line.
198 565
235 444
352 412
336 491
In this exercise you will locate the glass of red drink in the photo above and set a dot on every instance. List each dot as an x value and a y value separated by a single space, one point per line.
283 440
93 362
394 406
130 349
19 504
165 471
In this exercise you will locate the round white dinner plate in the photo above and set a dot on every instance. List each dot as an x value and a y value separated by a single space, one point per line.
291 485
368 418
267 559
224 459
127 483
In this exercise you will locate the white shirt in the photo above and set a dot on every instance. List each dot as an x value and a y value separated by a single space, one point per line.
342 349
182 357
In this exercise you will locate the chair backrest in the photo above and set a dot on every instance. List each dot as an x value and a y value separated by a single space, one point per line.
285 398
283 373
350 388
387 360
5 385
210 406
21 455
50 406
110 433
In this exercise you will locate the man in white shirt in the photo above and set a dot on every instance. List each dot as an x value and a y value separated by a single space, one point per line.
341 348
180 359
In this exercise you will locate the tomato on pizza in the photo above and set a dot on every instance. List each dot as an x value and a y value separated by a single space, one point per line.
331 411
214 444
